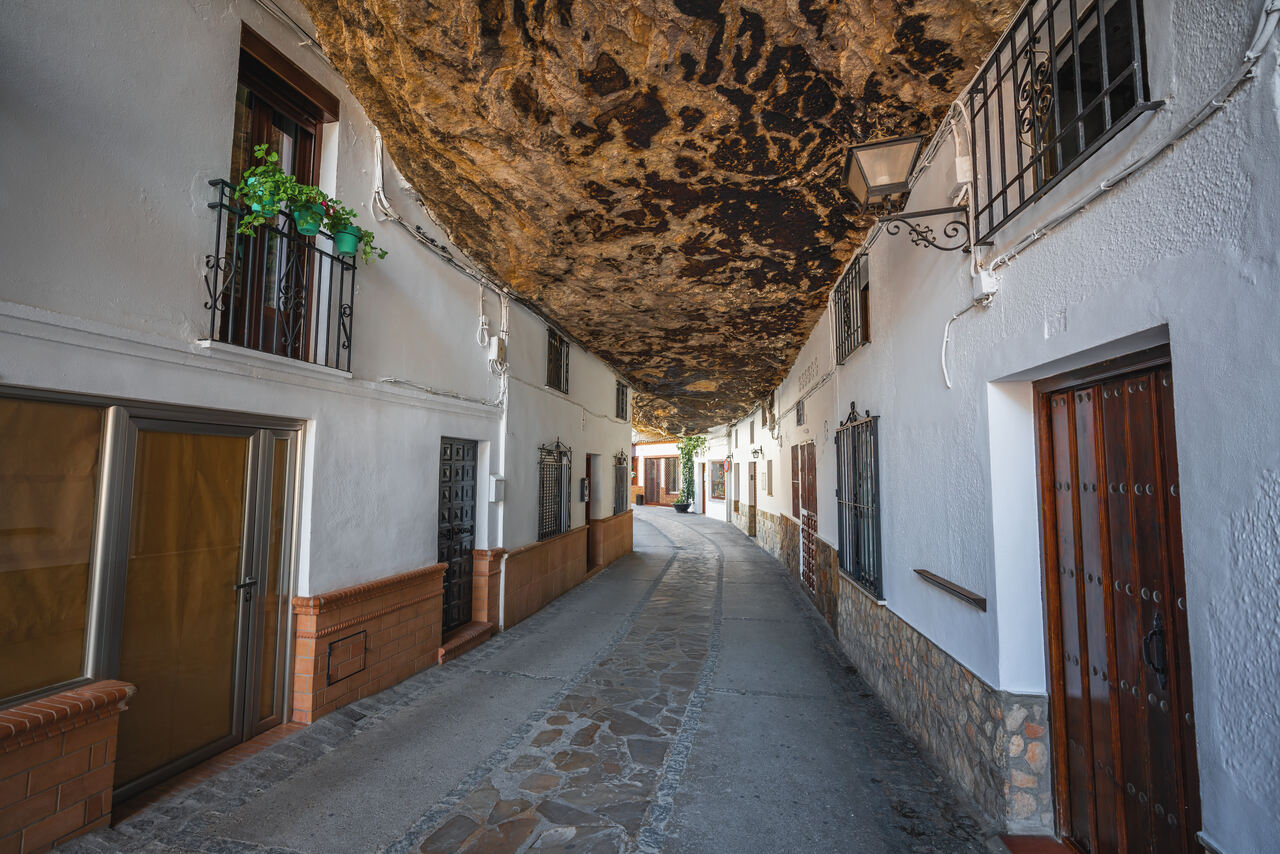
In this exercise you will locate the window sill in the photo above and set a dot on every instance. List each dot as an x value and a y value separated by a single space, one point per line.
245 356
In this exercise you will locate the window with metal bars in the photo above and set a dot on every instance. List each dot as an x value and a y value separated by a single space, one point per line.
851 307
620 401
557 361
553 490
671 475
1066 77
858 501
800 413
621 484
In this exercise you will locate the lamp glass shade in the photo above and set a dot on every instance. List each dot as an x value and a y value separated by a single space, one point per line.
880 169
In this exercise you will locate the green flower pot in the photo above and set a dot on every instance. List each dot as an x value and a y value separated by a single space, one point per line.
308 219
265 201
346 240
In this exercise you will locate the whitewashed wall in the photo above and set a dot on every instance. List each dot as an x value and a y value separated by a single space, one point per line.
113 118
1185 253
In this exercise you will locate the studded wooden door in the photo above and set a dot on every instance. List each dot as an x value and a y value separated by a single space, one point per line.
1119 660
457 533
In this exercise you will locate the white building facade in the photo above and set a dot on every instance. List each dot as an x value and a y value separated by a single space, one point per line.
1058 472
294 474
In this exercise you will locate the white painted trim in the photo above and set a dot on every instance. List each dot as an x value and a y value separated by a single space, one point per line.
27 322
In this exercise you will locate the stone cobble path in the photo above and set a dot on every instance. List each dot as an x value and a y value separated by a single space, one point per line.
688 700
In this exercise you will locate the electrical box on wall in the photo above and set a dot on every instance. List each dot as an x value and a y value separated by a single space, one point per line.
497 488
498 349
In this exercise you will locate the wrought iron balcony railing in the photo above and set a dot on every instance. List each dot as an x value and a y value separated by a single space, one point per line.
277 291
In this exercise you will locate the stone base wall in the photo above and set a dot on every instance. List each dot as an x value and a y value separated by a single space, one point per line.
779 535
58 765
993 744
608 539
355 642
540 572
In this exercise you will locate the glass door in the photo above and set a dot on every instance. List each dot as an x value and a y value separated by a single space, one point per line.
202 581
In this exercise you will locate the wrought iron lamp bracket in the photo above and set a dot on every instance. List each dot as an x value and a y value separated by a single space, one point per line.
955 233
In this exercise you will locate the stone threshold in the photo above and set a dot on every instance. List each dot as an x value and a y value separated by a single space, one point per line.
464 639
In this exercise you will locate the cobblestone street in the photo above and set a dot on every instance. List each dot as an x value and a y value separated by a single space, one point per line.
686 700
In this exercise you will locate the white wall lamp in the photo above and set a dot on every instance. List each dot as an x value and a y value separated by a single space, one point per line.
879 175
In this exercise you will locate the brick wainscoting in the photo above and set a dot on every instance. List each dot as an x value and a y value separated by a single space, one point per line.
608 539
539 572
355 642
486 584
780 536
994 744
57 765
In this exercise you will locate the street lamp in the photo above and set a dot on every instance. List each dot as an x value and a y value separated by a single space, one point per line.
878 172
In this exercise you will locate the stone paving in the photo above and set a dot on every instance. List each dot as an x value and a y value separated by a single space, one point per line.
717 716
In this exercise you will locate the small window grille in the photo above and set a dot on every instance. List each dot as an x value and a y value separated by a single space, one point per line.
858 501
768 477
751 432
1066 77
851 306
557 361
621 483
671 475
620 401
553 490
735 437
800 414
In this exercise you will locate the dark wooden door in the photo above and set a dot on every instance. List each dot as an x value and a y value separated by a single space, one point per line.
1119 661
457 531
652 480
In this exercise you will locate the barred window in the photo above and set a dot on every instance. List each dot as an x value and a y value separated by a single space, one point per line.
800 413
671 475
620 401
621 483
751 432
769 477
851 307
1067 76
858 501
553 490
557 361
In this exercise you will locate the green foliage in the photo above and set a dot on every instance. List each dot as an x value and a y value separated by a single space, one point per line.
688 446
267 190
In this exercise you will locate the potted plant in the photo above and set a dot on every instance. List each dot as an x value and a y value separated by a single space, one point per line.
688 446
265 188
348 237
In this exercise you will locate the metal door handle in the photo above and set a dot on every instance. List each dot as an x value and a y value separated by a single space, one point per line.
1153 651
247 586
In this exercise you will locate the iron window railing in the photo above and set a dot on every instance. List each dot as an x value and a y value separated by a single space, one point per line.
621 484
1067 76
858 501
620 401
553 490
277 291
851 307
557 361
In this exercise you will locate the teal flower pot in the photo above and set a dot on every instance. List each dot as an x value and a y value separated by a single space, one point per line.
346 240
308 219
265 202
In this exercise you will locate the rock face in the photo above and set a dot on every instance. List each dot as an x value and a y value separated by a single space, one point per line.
662 177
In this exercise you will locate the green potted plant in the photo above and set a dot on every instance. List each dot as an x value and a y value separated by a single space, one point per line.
266 189
348 237
688 446
308 206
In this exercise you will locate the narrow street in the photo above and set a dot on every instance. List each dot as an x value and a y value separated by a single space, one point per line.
686 700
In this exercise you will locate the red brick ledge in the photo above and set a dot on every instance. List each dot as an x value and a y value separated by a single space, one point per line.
541 543
361 592
53 715
400 605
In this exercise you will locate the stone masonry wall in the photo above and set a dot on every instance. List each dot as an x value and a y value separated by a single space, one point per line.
780 536
993 744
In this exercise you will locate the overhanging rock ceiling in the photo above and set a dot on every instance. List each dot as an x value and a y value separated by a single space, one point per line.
662 177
